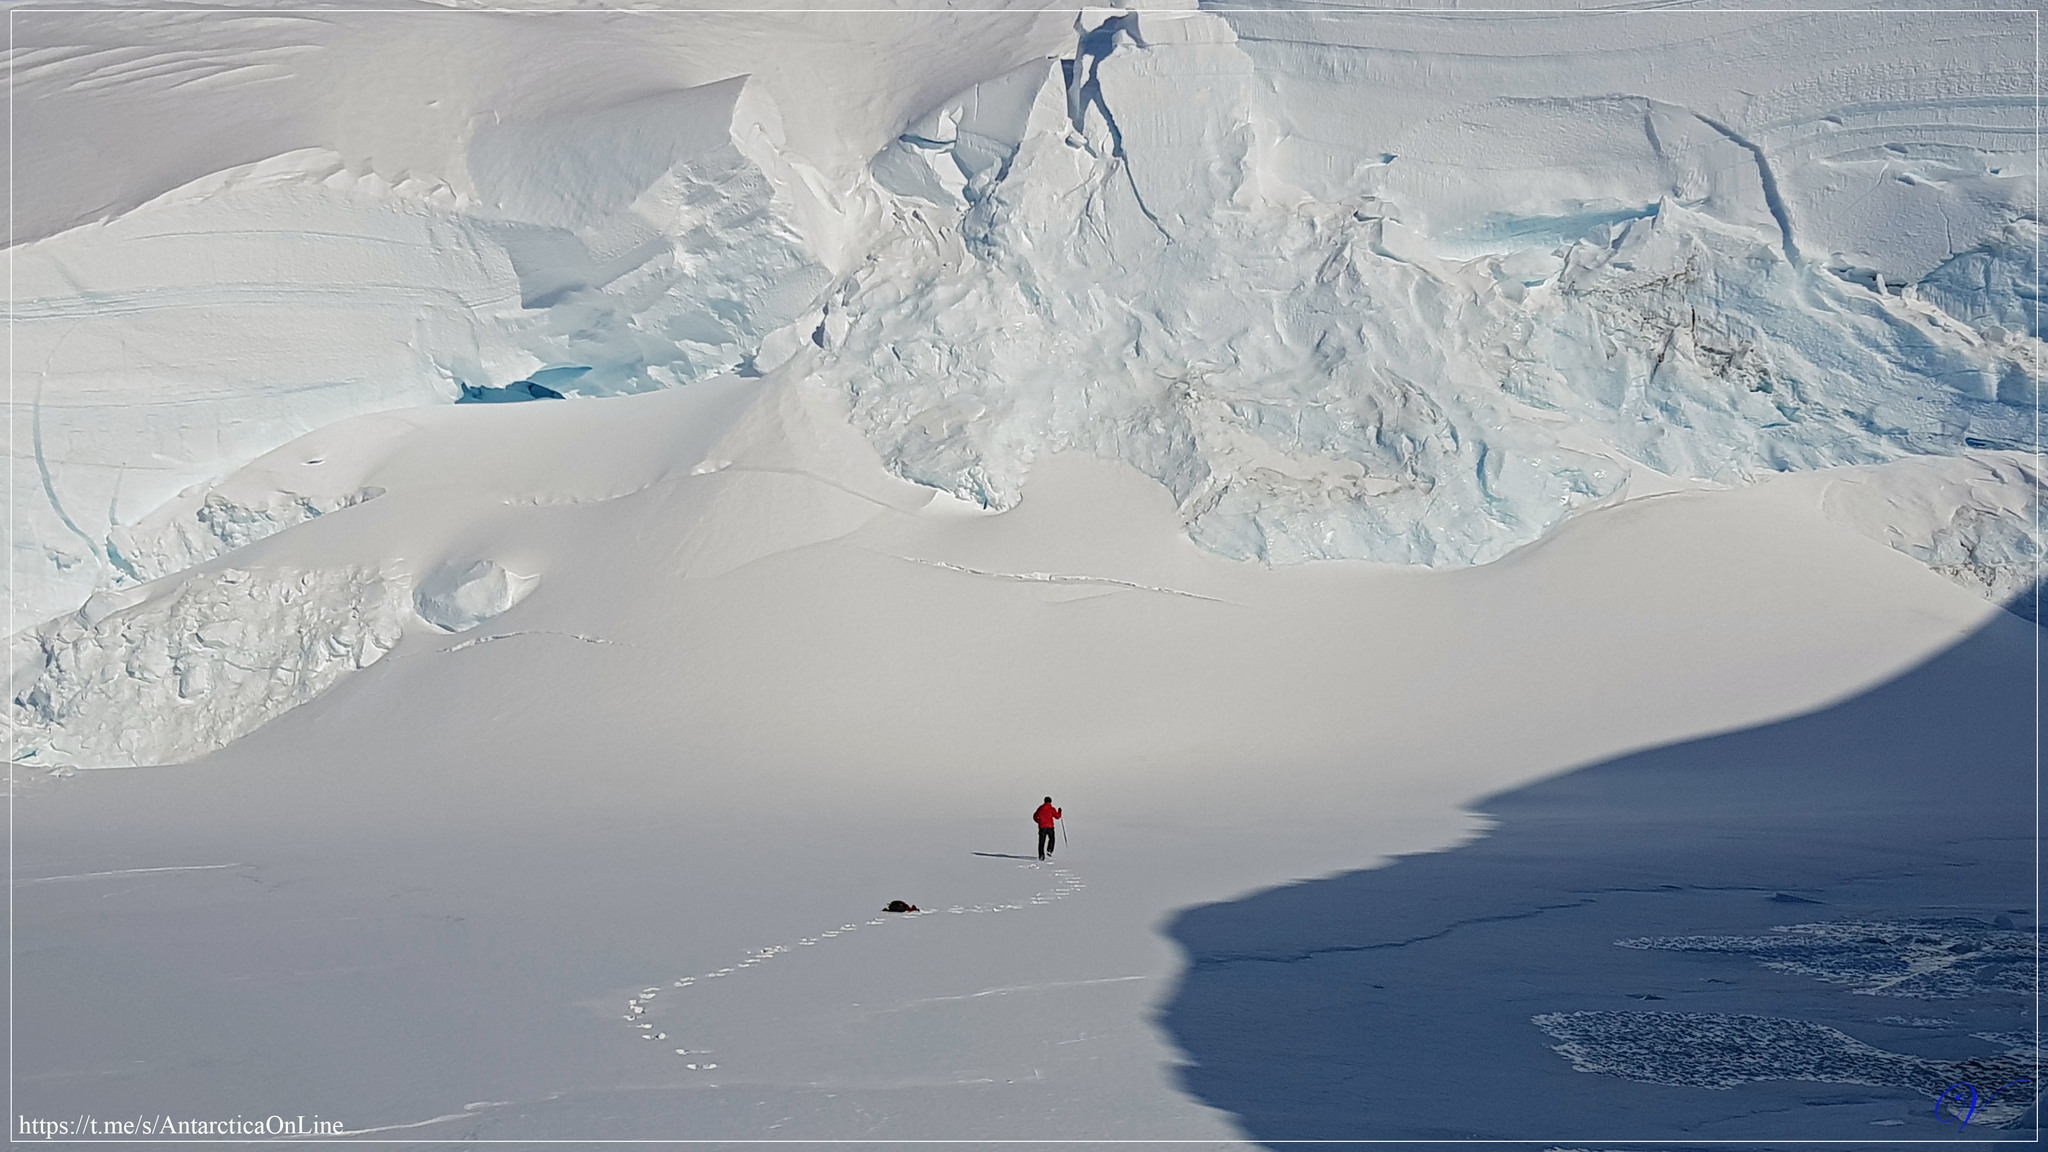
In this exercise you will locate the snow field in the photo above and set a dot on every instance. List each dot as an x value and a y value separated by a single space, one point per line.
929 384
520 837
643 1016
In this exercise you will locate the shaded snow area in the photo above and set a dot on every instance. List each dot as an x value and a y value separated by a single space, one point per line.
1716 1050
1821 929
1513 536
1930 959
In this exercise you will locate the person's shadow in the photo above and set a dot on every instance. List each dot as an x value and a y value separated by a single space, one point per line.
1006 856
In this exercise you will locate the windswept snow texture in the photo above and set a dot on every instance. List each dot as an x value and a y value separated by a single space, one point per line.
1928 959
1722 1050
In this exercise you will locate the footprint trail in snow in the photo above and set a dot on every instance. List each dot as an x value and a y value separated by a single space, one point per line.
1066 883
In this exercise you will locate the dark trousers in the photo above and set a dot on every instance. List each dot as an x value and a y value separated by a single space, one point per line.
1045 842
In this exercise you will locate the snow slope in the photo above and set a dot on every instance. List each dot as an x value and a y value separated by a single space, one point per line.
929 380
751 700
1658 275
417 203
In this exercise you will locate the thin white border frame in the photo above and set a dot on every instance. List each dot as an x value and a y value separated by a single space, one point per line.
1219 8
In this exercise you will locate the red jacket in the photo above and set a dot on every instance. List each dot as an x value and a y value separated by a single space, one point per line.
1045 815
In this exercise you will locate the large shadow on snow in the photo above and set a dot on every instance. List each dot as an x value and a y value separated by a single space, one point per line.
1858 885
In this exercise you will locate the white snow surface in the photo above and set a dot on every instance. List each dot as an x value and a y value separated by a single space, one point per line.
1368 350
460 596
237 228
930 378
762 689
1409 288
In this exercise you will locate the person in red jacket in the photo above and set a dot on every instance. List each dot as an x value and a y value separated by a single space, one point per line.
1045 817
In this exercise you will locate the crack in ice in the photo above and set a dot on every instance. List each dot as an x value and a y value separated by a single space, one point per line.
1063 578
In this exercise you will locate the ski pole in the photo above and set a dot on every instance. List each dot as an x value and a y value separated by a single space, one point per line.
1063 831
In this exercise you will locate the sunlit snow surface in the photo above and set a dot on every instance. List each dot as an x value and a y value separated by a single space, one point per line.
1411 288
1317 378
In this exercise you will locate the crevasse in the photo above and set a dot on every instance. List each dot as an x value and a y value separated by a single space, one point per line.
1390 287
1115 262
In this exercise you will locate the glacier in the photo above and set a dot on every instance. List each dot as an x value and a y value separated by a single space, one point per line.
194 663
592 498
1347 377
1242 251
376 296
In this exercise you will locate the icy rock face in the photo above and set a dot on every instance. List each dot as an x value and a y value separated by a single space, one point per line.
1086 302
1407 287
956 152
1400 287
267 301
458 597
1694 348
1315 378
167 673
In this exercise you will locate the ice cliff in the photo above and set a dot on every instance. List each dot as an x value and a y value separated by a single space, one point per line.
637 247
1426 355
1401 287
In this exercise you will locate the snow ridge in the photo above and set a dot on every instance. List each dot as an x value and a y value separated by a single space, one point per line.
647 244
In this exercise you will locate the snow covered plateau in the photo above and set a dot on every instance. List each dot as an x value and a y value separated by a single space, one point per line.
561 451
